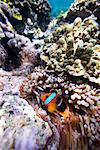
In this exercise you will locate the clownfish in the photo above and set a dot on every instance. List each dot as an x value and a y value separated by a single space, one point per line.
54 103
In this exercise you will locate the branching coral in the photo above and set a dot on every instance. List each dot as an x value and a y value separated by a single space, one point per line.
81 98
73 47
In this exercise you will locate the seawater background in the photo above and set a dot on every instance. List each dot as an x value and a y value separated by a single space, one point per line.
59 5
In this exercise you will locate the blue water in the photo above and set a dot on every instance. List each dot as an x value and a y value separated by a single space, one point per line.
59 5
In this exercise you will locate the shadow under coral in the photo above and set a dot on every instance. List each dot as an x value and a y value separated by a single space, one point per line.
18 53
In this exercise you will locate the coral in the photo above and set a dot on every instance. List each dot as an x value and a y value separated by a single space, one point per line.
23 21
5 24
82 99
63 60
81 96
20 125
83 9
93 68
19 51
72 48
3 55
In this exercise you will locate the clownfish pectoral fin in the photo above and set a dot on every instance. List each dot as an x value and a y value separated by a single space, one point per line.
65 114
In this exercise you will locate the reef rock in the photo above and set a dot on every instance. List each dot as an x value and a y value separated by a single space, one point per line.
3 55
17 50
20 127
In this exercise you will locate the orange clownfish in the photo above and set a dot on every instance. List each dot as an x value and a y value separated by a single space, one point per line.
54 103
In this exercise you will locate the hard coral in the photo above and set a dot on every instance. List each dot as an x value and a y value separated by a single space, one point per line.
16 13
83 9
81 98
66 63
73 47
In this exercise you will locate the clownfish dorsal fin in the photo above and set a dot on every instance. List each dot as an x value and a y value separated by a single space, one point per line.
50 98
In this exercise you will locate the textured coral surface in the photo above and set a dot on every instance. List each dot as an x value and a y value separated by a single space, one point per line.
65 60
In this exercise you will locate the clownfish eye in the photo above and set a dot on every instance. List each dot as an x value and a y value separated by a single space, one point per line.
61 106
58 100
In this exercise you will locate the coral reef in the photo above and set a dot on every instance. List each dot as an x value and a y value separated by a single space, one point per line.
83 9
80 97
25 21
62 62
20 126
17 50
74 48
19 31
